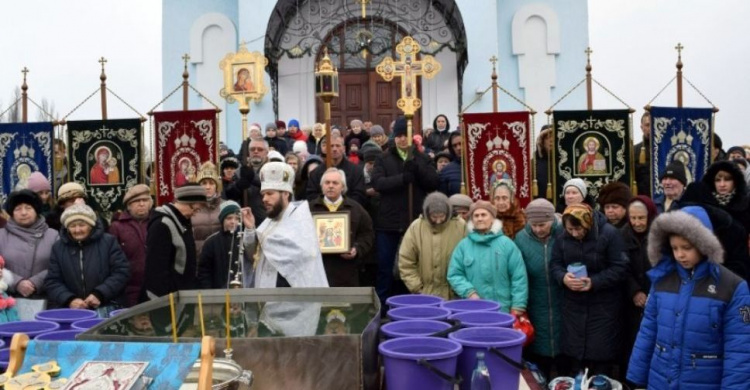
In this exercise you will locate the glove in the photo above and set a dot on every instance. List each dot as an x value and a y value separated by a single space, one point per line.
524 325
247 175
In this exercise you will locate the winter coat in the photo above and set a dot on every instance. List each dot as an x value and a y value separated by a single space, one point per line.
514 220
701 192
247 189
205 223
26 252
229 189
355 181
131 234
389 180
213 265
436 141
490 265
170 254
635 249
95 266
278 144
425 253
300 187
450 178
362 137
696 328
313 146
591 323
339 271
544 293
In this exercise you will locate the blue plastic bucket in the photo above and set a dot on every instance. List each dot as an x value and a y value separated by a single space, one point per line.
413 328
502 352
87 324
473 319
461 305
30 328
4 359
420 363
60 335
413 300
65 317
418 313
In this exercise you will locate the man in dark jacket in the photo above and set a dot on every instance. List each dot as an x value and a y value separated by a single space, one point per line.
355 178
342 269
275 142
642 153
228 168
218 265
395 171
450 176
247 187
129 228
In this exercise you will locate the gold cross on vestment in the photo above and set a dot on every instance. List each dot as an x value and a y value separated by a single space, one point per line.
408 69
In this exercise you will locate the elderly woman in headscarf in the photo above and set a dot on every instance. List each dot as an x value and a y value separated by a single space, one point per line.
87 270
589 261
509 211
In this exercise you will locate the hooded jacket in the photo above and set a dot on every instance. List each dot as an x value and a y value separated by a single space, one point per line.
450 176
26 252
426 250
436 141
696 328
490 265
703 192
95 266
131 234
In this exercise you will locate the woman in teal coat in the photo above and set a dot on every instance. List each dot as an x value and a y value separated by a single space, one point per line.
487 264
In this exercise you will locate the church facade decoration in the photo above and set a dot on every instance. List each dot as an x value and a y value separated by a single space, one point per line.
25 148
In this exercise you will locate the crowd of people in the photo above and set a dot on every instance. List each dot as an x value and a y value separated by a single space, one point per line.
649 290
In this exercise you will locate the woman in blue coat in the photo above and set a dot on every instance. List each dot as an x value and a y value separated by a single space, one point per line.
695 332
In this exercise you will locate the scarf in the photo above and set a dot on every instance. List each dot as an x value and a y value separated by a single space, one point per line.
723 200
581 212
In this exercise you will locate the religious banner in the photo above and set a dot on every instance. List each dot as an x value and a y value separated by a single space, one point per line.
183 140
498 147
105 157
25 148
680 134
592 145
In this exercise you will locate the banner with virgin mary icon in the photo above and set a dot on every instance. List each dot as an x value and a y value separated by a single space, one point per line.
591 145
183 140
24 148
498 147
105 158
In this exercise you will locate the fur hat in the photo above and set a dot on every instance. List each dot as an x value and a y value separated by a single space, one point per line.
226 208
675 170
39 183
277 176
482 204
70 190
540 211
190 193
578 184
23 197
399 128
78 212
137 192
437 202
460 200
615 192
207 170
692 223
229 162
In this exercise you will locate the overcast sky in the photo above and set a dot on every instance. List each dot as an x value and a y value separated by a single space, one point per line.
633 42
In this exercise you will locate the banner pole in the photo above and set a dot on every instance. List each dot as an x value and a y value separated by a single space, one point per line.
103 88
493 60
185 84
679 48
24 97
589 97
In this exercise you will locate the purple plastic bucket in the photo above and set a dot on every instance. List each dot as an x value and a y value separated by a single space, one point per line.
418 313
474 319
60 335
116 312
413 328
493 342
86 324
65 317
413 300
403 370
30 328
2 344
462 305
4 359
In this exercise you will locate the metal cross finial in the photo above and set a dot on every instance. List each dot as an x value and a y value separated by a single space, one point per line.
679 48
24 71
102 61
493 60
186 58
588 52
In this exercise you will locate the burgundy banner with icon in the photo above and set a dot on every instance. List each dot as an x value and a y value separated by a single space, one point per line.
183 140
498 147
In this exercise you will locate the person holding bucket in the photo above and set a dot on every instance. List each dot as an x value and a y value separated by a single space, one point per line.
589 261
696 327
487 264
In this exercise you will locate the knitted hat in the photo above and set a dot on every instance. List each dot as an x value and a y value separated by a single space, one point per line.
482 204
579 184
23 197
275 156
675 170
371 154
737 149
39 183
583 213
190 193
299 147
294 122
280 125
355 141
442 155
229 162
254 125
271 126
227 208
437 203
540 211
399 128
615 192
277 176
460 200
207 170
70 190
78 212
376 130
137 192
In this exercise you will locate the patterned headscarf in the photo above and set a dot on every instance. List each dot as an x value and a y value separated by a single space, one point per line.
581 212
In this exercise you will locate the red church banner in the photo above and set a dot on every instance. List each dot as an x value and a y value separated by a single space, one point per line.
498 147
183 140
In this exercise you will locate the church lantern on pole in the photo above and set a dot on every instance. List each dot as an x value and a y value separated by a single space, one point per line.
326 88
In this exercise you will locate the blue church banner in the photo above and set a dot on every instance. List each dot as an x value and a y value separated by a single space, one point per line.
680 134
25 148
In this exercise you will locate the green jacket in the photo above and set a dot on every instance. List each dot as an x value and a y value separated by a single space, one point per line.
490 265
544 292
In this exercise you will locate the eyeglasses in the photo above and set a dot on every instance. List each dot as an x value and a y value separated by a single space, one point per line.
257 149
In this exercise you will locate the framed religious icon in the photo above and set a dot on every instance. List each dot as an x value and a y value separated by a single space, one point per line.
333 232
244 73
